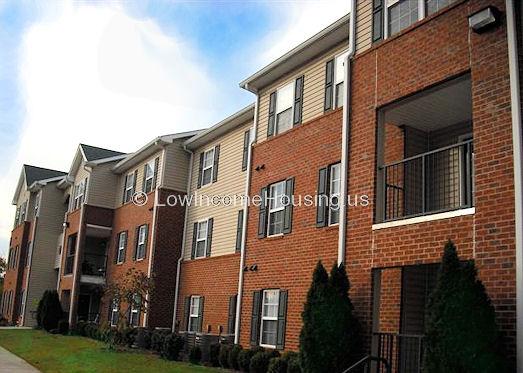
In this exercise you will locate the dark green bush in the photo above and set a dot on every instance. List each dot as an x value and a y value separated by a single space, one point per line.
244 359
143 338
214 354
172 345
260 362
293 366
223 357
195 355
49 310
157 339
80 328
91 331
128 336
277 365
63 327
233 357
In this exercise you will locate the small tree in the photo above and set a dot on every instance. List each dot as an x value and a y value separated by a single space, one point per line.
330 332
462 335
49 311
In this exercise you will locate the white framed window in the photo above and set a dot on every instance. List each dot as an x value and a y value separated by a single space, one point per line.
201 239
23 209
434 6
142 238
276 208
134 316
79 192
149 176
122 241
115 308
269 319
401 14
207 167
129 187
339 75
194 314
284 108
334 193
37 203
17 216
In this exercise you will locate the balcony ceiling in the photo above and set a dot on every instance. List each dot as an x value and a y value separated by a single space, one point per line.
447 104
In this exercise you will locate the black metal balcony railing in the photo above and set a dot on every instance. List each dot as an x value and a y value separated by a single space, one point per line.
436 181
403 352
94 264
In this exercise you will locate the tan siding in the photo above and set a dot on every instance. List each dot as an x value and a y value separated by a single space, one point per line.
119 185
176 167
363 25
26 196
231 181
48 229
102 186
313 90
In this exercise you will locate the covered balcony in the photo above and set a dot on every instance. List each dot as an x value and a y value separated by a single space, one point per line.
94 261
425 153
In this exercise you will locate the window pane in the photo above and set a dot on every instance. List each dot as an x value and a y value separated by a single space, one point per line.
130 181
284 121
149 170
340 70
276 222
202 230
208 158
285 97
207 176
402 15
276 193
200 249
339 94
269 330
434 6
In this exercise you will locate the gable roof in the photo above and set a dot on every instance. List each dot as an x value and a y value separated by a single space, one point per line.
33 174
94 153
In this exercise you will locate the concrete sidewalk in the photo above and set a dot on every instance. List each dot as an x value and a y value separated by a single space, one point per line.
10 363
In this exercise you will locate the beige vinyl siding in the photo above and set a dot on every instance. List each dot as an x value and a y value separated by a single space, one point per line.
231 181
48 228
313 90
139 180
176 167
102 186
26 196
363 25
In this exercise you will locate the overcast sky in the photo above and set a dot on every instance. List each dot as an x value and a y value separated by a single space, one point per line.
117 74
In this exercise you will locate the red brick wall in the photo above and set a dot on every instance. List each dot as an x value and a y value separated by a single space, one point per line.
390 300
216 279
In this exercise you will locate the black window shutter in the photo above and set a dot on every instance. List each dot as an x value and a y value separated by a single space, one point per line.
255 318
126 233
116 247
246 139
134 180
136 240
287 217
155 175
124 187
232 314
145 240
321 206
143 178
298 100
262 215
200 315
200 171
187 310
215 163
194 236
282 319
377 20
209 236
329 85
272 114
239 229
110 313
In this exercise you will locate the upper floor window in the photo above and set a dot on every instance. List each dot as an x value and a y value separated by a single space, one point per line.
275 215
285 107
284 102
71 251
339 75
79 193
202 233
208 164
276 208
130 183
194 314
141 241
122 243
17 216
334 194
149 175
401 14
37 203
433 6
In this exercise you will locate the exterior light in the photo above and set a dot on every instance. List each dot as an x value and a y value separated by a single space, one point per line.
484 19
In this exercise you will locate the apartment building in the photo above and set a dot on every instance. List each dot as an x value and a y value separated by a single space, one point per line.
210 263
426 138
30 262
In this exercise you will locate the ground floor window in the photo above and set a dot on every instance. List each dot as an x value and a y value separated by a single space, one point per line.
134 317
194 314
269 320
114 312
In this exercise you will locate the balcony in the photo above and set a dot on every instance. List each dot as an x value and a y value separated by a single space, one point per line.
94 263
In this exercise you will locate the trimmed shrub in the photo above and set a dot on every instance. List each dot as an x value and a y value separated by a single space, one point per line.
172 345
49 310
277 365
157 339
294 366
233 357
80 328
195 355
91 331
260 361
128 336
215 350
244 359
143 338
63 327
223 357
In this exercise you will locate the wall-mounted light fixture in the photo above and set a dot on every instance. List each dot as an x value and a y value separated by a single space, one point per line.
261 167
65 224
484 19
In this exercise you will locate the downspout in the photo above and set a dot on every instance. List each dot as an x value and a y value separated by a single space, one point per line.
244 226
516 144
345 137
184 236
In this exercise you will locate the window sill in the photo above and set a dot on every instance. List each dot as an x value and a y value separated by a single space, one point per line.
426 218
275 236
272 347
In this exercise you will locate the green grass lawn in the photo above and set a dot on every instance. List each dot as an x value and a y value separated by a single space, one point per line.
67 354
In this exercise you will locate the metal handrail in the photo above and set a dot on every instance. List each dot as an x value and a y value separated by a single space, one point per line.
369 358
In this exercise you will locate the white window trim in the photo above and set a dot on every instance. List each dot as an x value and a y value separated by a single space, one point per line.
129 188
211 167
115 309
334 96
150 177
276 112
389 3
134 311
79 192
269 318
192 315
206 221
274 210
141 241
121 247
331 194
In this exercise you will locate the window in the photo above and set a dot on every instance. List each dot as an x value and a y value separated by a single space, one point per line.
148 176
339 74
434 6
334 193
17 216
141 242
208 165
129 187
134 316
79 192
37 203
71 250
401 14
201 239
194 314
122 242
23 209
269 319
114 312
10 258
276 208
284 108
